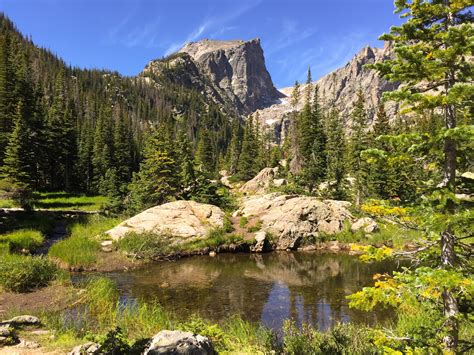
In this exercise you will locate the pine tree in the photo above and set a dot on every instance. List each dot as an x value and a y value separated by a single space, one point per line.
187 175
19 159
158 178
380 171
7 100
205 153
122 159
61 137
247 168
235 146
433 61
336 153
359 143
312 139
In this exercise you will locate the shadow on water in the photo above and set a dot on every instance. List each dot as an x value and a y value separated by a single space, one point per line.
265 288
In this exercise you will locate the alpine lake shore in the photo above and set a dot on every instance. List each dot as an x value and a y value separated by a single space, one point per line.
44 250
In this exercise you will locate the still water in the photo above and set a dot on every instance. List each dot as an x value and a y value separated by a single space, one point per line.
268 288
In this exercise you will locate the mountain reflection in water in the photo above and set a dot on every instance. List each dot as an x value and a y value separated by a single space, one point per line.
267 288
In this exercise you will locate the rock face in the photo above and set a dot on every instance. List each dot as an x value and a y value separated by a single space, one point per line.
183 219
292 218
178 342
338 88
232 73
260 182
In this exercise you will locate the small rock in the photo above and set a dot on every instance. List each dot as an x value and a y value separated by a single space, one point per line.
367 224
308 248
7 335
106 243
86 349
279 182
178 342
212 254
334 246
261 243
22 320
28 344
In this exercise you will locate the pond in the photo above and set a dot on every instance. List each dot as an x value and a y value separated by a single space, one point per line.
266 288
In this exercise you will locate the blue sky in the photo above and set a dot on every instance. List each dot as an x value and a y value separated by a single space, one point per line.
124 35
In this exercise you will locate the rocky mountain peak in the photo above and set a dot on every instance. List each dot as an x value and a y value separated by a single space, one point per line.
237 70
339 88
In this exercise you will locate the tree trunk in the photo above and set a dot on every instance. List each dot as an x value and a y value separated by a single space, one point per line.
448 240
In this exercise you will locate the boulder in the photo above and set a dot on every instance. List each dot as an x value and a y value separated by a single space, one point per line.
261 243
178 342
183 219
292 217
260 182
86 349
367 224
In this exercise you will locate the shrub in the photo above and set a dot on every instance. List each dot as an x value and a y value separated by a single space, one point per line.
143 245
243 221
19 273
23 239
342 339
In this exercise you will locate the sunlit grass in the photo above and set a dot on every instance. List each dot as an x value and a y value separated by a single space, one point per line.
22 240
82 247
68 201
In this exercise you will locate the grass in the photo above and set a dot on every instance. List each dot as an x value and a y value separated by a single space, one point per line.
69 201
102 318
81 249
7 203
20 273
150 245
24 240
395 235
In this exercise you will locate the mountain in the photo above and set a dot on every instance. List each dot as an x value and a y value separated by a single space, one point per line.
232 73
338 89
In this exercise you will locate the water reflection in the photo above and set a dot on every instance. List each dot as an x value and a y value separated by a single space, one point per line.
261 288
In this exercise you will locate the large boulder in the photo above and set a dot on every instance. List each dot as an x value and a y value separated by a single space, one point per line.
293 217
178 342
183 219
261 182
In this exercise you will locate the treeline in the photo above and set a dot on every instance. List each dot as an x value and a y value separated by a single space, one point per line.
64 128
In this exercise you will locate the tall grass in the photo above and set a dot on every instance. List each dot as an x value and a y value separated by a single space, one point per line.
19 273
22 240
148 245
81 249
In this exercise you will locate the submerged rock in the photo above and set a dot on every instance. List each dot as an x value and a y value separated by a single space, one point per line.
184 219
178 342
292 218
